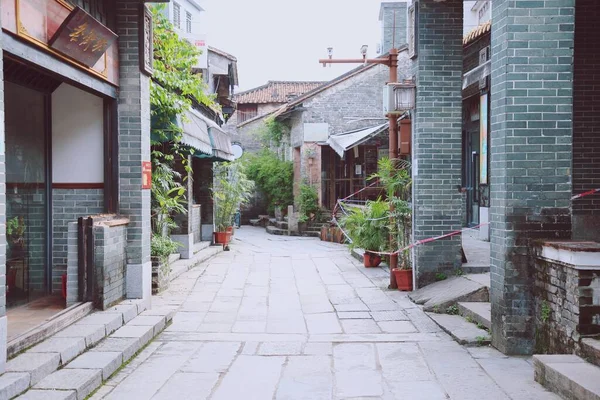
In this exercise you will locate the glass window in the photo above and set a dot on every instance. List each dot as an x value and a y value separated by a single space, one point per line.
188 22
177 15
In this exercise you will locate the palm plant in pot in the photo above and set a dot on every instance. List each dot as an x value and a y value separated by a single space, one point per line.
368 228
394 176
231 189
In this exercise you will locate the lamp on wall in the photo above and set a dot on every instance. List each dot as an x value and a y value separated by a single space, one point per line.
404 95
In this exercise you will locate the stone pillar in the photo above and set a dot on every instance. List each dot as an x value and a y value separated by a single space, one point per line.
531 141
184 233
134 147
437 153
3 321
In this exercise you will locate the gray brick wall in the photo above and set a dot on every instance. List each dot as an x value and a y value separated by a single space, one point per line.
586 121
110 261
531 117
437 204
246 134
134 133
386 19
67 206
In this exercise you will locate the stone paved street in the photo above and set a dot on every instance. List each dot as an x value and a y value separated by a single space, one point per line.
297 318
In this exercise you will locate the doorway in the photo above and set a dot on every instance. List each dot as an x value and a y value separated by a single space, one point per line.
27 194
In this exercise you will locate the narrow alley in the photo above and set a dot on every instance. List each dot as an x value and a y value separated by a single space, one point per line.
297 318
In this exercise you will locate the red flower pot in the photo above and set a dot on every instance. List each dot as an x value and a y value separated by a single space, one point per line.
371 260
404 279
221 237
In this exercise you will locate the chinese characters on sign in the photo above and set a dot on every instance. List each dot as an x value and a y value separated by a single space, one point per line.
82 38
483 140
147 48
146 175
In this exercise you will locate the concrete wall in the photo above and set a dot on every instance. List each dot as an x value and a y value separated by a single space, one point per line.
586 120
531 150
111 263
196 221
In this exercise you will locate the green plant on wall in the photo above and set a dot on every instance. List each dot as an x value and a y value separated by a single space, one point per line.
273 177
271 133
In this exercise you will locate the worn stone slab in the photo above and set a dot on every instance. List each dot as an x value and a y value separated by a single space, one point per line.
108 362
188 385
323 323
568 375
38 365
165 311
158 322
396 315
111 321
440 295
375 337
128 311
360 326
353 315
307 378
83 381
213 357
462 331
13 383
280 349
35 394
127 346
482 279
141 332
318 349
68 348
91 333
250 374
478 312
397 327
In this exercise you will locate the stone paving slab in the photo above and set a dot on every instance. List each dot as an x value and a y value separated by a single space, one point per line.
82 381
479 312
127 346
461 330
68 348
128 311
141 332
92 334
111 321
158 322
375 337
49 395
568 375
108 362
440 295
38 365
353 315
13 383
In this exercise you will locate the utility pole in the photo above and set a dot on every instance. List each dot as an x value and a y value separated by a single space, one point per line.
391 61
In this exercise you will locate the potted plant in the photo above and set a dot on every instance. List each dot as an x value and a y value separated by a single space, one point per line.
15 235
394 176
368 228
231 189
161 247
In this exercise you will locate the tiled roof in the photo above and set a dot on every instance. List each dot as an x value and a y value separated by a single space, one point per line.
275 92
477 32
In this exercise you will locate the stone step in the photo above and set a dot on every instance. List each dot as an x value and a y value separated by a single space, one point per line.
441 295
273 230
477 312
201 256
461 330
590 349
255 222
281 224
123 329
311 234
569 376
201 246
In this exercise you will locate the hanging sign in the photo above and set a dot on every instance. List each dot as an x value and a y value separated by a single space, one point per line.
146 175
82 38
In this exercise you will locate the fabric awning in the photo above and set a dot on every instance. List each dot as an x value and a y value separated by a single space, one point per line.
221 143
347 140
195 132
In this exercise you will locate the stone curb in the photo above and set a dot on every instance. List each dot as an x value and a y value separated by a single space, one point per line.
567 375
42 360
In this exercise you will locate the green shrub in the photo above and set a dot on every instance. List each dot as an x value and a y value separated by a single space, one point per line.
274 178
368 226
308 203
162 247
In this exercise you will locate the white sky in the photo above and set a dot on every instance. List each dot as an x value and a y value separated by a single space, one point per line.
283 39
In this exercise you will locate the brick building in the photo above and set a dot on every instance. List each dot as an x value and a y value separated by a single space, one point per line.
75 132
254 105
543 147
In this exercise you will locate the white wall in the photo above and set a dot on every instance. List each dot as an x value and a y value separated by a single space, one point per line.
77 136
193 7
476 13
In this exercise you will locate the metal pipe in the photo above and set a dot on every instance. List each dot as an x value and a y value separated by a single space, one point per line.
393 153
384 61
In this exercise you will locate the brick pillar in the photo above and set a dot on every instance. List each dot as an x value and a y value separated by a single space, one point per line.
531 140
134 147
3 322
586 121
438 138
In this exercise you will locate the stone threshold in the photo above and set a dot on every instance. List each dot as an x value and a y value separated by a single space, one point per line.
75 361
462 331
41 332
569 376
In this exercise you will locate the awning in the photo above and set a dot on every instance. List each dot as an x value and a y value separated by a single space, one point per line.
347 140
221 144
196 132
477 74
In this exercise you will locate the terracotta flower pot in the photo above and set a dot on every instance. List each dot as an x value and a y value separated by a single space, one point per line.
404 279
221 237
371 260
